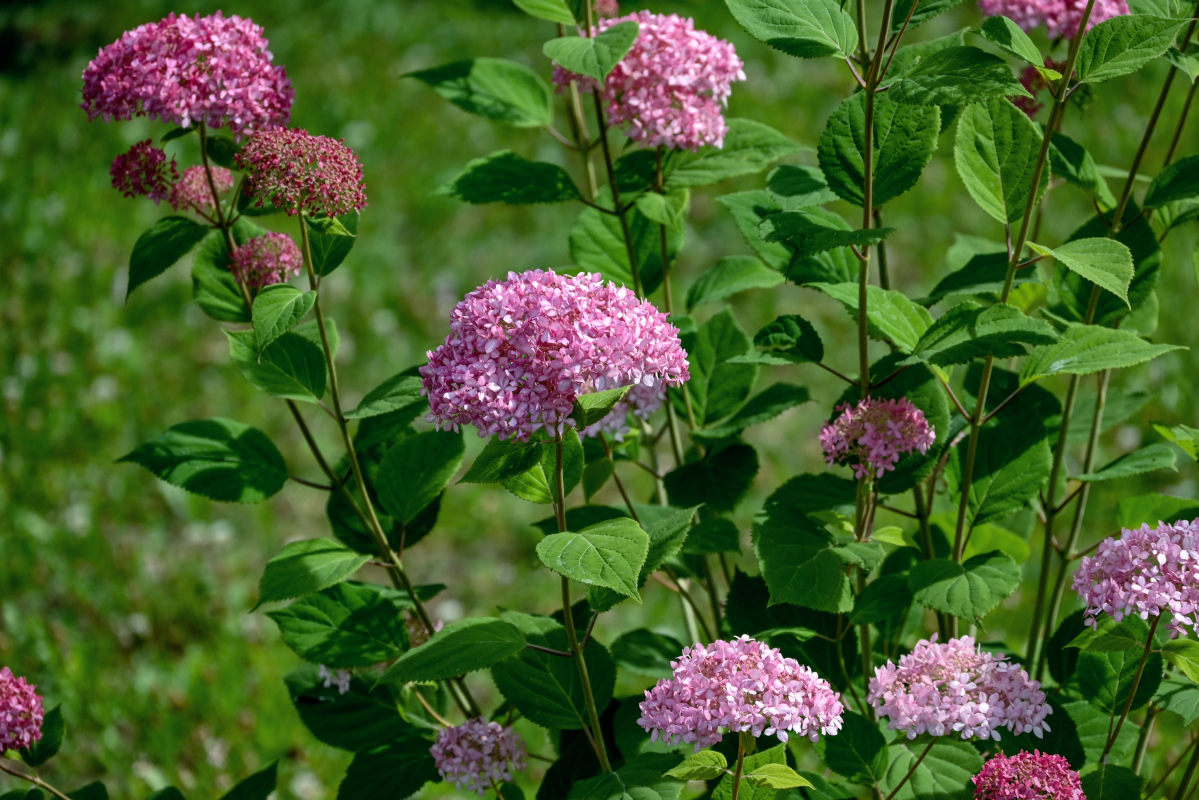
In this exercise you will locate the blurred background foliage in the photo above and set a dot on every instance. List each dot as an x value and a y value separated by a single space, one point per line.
127 600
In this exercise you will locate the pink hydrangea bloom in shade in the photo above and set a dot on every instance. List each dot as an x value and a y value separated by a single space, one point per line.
872 435
265 260
476 754
642 401
521 350
21 712
144 172
607 8
192 191
955 687
1060 17
740 685
1146 572
671 87
216 70
1027 776
298 171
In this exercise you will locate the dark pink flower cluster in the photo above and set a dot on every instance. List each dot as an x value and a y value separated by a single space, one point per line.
265 260
1060 17
742 685
298 171
476 754
21 713
1145 572
193 192
955 686
144 172
671 87
216 70
872 435
521 350
641 400
1027 776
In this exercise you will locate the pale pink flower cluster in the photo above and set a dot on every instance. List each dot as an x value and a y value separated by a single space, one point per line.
1027 776
1145 572
192 191
642 401
298 171
265 260
21 712
742 685
1060 17
956 687
521 350
607 8
337 678
671 88
216 70
872 435
144 172
476 754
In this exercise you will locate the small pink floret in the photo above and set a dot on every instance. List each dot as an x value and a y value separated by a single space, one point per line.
476 754
143 171
298 171
872 435
1027 776
1060 17
192 191
21 714
266 260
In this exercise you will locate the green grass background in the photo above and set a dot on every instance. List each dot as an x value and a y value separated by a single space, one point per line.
127 600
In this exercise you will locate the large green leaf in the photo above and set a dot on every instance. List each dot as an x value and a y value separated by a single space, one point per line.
858 751
943 774
969 590
416 471
798 558
397 392
706 765
1183 654
969 331
1179 696
1178 181
395 770
500 90
1094 727
221 459
1148 459
1105 262
160 246
641 778
597 244
331 240
502 459
995 151
552 10
717 387
53 730
774 755
292 366
357 719
1002 32
593 56
809 233
718 480
1086 349
345 625
536 483
798 28
258 786
667 529
505 177
458 648
789 339
1009 469
1124 44
1111 782
1068 159
748 147
762 407
1106 678
890 315
608 554
730 276
956 76
214 288
307 566
278 309
646 652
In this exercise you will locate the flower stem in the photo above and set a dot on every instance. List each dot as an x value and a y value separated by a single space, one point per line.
1138 757
1132 691
740 765
609 165
912 771
33 779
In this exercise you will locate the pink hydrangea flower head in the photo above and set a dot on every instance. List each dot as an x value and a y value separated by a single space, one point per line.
265 260
476 754
1060 17
642 401
193 192
298 171
1027 776
739 685
874 433
956 687
521 350
671 87
214 70
144 172
1145 572
21 714
607 8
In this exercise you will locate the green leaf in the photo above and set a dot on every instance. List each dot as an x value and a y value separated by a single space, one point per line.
552 10
458 648
706 765
766 405
1068 159
395 770
956 76
1111 782
505 177
798 559
597 244
330 244
911 13
1180 697
222 149
593 56
789 339
905 137
307 566
995 151
416 471
291 367
345 625
1009 470
357 720
1094 726
724 789
1184 437
1004 33
258 786
1122 45
1106 679
1184 655
944 773
164 243
278 309
776 776
667 529
970 590
638 779
1185 62
534 484
1132 512
218 458
503 459
748 147
609 554
719 480
809 234
44 749
798 28
214 288
884 597
1105 262
591 408
713 535
1087 349
500 90
1178 181
730 276
890 315
1148 459
969 331
717 386
1110 637
858 752
395 393
645 652
664 209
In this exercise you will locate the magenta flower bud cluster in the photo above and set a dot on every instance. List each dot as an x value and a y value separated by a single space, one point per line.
1145 572
21 714
1027 776
265 260
521 350
955 687
671 87
476 754
742 685
872 435
641 401
192 191
1060 17
144 172
214 70
298 171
